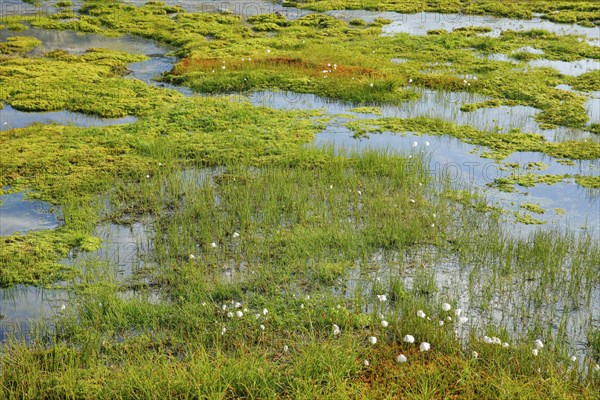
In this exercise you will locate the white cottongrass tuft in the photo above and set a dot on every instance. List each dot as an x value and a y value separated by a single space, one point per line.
265 311
475 354
441 323
538 344
573 359
236 235
426 144
285 348
213 244
425 346
229 314
496 340
401 359
366 363
409 339
487 339
372 340
415 144
384 323
262 327
505 345
192 257
534 352
382 297
239 314
597 368
336 330
457 312
421 314
445 306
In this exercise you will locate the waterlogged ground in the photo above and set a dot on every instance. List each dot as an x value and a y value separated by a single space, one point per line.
259 187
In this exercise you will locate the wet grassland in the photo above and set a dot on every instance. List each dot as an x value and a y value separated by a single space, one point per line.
275 267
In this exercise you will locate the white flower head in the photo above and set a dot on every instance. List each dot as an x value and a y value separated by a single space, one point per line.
236 235
372 339
229 314
213 245
445 306
441 323
424 346
475 354
285 348
415 144
534 352
192 257
496 340
487 339
462 320
384 323
597 368
421 314
457 312
401 359
409 339
265 311
538 344
573 359
239 314
262 327
505 345
336 330
382 297
366 363
426 144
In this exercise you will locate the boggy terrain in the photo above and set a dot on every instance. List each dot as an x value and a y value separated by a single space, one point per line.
275 267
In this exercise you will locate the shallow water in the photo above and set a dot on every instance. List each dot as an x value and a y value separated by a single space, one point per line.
11 118
22 307
467 286
450 156
18 214
78 43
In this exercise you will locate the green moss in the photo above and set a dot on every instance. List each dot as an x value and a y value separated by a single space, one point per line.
591 182
534 208
367 110
18 45
501 145
507 183
575 11
588 82
91 83
17 27
357 22
528 219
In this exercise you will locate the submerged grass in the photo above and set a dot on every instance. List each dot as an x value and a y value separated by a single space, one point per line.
251 261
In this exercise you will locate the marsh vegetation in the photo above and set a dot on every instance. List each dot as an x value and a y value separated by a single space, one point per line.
249 207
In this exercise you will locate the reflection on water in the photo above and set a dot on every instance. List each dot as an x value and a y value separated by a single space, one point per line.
24 307
18 214
11 118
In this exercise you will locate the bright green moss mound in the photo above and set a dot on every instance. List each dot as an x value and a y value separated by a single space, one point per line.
92 83
18 45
